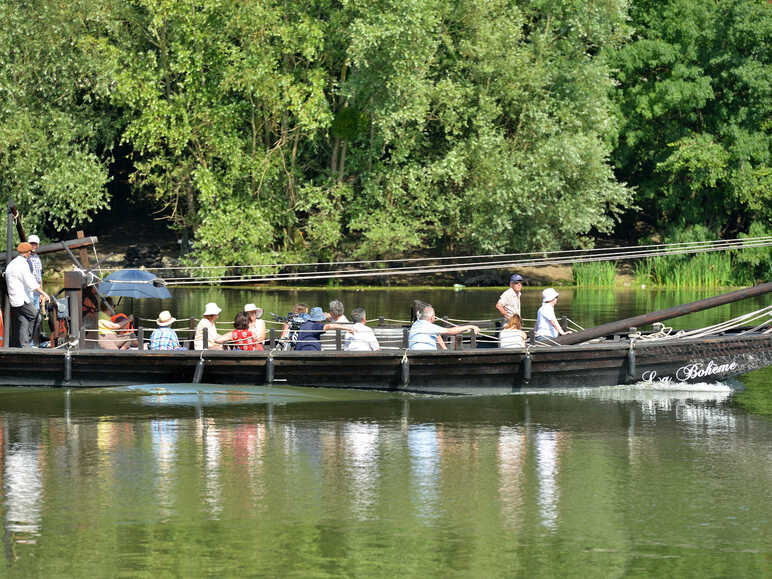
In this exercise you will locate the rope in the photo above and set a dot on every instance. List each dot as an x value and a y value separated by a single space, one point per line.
559 257
749 241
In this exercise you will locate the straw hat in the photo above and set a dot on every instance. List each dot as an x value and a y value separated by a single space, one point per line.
548 295
212 309
253 308
165 318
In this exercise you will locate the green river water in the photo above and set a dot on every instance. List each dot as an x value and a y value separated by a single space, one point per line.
238 481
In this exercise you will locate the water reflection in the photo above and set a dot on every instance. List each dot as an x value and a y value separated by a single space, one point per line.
513 467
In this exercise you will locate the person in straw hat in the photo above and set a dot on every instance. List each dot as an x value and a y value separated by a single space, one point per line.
211 313
256 324
164 337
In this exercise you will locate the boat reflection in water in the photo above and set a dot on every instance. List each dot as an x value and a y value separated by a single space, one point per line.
274 465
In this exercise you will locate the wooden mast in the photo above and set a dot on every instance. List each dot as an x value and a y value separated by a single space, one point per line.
623 326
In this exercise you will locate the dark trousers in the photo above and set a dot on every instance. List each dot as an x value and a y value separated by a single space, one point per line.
24 317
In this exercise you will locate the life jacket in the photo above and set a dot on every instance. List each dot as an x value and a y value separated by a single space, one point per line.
120 318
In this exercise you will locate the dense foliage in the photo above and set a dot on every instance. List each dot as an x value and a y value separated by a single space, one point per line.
273 130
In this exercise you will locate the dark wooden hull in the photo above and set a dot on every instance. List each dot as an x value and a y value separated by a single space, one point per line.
479 371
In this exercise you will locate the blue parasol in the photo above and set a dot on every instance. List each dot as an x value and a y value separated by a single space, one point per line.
134 283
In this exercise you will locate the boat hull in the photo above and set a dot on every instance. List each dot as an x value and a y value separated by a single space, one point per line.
479 371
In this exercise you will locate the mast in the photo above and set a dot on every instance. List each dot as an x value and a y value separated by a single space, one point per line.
622 326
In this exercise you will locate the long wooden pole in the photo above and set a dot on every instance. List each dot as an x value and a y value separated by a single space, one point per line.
7 322
621 326
58 246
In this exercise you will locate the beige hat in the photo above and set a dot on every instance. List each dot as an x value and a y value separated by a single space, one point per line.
253 308
165 318
212 309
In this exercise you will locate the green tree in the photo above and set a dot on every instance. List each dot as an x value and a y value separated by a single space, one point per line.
696 95
55 133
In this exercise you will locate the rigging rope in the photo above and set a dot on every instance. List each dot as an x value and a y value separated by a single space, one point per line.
559 257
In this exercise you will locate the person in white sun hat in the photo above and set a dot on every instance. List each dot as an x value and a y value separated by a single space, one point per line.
210 315
256 324
547 325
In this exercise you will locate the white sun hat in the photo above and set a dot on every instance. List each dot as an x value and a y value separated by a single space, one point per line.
253 308
212 309
548 295
33 239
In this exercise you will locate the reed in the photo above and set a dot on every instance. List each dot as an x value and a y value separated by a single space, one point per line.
681 271
594 274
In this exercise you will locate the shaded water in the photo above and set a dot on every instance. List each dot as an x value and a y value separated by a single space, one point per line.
245 481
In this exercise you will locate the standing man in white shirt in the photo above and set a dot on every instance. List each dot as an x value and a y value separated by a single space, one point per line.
20 281
509 302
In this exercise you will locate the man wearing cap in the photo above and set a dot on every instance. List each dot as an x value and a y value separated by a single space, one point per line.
211 313
509 302
20 283
547 325
164 337
36 267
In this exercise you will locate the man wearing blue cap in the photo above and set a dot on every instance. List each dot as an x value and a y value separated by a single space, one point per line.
509 302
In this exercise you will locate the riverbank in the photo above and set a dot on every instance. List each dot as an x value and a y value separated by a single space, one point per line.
152 251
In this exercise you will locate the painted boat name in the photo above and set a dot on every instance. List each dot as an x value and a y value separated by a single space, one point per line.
692 371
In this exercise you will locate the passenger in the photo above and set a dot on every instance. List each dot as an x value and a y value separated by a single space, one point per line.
363 338
512 335
256 324
211 313
164 337
547 325
310 330
241 337
114 335
298 310
426 335
509 302
36 267
337 315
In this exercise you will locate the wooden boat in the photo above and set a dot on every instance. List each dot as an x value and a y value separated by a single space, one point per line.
615 355
479 371
608 355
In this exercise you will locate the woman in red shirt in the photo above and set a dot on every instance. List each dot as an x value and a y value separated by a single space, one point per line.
241 337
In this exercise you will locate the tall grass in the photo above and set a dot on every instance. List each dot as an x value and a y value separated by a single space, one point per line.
594 274
682 271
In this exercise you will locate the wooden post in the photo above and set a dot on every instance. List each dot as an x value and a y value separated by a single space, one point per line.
405 342
192 326
338 340
271 338
141 338
73 290
205 339
83 251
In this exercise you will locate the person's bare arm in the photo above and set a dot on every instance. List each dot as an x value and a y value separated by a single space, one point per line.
502 310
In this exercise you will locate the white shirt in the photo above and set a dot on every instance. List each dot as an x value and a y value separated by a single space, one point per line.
19 280
198 340
510 299
543 326
511 338
363 340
